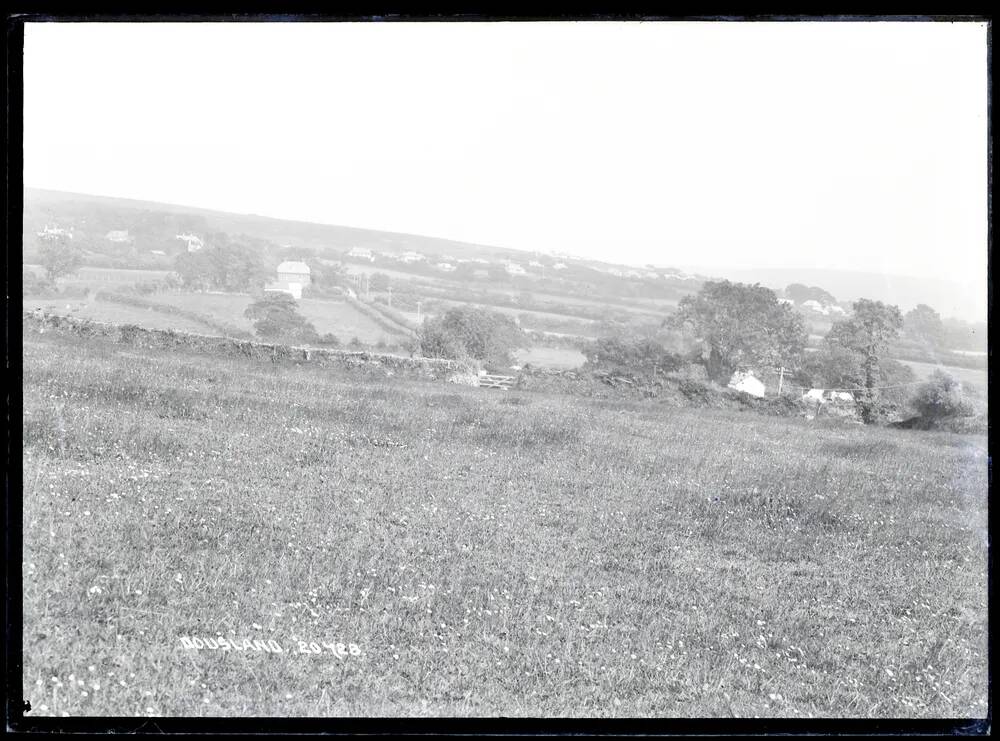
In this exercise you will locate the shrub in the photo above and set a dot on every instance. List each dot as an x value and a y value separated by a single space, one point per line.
941 397
462 333
276 317
632 356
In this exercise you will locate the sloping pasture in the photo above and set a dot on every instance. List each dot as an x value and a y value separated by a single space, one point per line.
486 553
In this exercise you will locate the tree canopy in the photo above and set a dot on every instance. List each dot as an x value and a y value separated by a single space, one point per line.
862 340
923 323
800 293
742 326
224 265
59 256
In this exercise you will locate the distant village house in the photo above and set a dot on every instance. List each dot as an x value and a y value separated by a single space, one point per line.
117 235
194 243
361 253
54 232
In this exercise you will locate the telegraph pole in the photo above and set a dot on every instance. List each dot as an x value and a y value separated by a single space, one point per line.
390 297
781 378
368 287
418 312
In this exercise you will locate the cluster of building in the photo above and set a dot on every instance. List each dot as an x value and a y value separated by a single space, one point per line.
447 264
55 232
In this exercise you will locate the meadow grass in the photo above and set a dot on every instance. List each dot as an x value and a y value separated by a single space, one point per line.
489 553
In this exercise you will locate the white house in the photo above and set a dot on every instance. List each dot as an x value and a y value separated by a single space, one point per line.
361 253
559 266
838 310
412 256
117 235
513 268
293 276
194 242
786 301
814 305
535 264
746 382
823 396
54 232
446 267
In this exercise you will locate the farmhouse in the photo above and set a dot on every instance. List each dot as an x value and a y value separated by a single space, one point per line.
514 268
117 235
53 232
361 253
446 267
412 256
814 305
194 242
746 382
559 266
292 278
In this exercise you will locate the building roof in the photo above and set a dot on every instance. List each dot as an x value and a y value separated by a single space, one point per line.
293 266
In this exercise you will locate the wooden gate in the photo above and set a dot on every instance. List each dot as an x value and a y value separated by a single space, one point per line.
496 382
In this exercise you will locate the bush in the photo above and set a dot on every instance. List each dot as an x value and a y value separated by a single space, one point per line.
941 398
276 317
466 333
631 356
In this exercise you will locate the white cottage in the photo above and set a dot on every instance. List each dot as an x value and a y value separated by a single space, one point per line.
748 383
293 276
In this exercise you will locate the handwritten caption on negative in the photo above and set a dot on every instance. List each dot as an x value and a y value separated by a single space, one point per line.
271 646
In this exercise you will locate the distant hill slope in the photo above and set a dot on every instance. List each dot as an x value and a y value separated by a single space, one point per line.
40 204
100 214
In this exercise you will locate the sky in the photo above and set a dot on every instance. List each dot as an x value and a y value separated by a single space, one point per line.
849 146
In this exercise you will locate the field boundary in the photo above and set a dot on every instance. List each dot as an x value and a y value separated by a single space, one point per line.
129 334
390 325
169 309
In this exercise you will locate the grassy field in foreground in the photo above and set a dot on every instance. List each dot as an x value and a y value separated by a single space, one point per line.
487 553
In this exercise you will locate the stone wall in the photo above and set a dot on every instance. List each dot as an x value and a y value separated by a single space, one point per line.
142 337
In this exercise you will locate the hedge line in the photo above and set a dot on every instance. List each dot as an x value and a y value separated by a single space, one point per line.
380 319
143 303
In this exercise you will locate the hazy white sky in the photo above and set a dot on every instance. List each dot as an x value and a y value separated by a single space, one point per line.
836 145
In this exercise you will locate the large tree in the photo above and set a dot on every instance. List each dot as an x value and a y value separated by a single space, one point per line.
865 337
223 265
741 326
59 255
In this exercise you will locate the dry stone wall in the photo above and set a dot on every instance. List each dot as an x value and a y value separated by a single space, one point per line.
134 336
